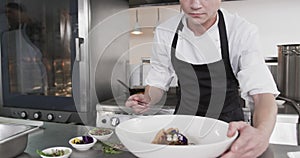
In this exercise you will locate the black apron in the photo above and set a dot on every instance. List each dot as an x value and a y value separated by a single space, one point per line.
209 90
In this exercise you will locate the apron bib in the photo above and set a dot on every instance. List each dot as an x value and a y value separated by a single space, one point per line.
209 90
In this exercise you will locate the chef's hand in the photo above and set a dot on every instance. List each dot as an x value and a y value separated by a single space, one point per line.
138 103
251 142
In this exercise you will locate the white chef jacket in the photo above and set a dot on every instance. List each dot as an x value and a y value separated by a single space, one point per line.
245 55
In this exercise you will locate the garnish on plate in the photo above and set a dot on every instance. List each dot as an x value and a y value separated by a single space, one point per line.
53 153
112 148
100 131
170 136
84 140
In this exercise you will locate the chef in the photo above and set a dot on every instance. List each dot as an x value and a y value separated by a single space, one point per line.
217 59
22 43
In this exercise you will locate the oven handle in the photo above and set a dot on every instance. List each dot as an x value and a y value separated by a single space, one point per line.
78 42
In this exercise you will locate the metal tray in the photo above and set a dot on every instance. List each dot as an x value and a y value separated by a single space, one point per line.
14 136
9 131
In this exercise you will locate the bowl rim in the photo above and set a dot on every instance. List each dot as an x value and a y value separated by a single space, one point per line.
57 147
229 139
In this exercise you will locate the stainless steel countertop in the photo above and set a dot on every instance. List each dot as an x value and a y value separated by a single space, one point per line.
56 134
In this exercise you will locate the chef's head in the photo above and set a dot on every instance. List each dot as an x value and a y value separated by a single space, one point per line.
200 12
15 14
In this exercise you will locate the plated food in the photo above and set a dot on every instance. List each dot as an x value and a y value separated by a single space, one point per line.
83 140
208 136
55 152
82 143
101 134
170 136
113 148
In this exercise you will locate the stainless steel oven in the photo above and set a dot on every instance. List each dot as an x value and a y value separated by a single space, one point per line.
59 64
43 75
112 112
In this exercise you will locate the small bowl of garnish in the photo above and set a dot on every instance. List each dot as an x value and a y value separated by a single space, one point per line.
55 152
101 134
82 143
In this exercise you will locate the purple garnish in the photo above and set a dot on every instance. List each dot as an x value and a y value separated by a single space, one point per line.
182 139
87 139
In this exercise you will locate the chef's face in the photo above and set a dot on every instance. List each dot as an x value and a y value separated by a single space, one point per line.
13 16
201 12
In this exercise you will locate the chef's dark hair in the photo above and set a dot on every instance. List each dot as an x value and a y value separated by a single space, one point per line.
16 6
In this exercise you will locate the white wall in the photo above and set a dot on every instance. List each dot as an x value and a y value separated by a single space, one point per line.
141 45
277 20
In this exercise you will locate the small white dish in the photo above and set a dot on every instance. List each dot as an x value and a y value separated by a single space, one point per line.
101 134
82 147
293 154
280 103
54 149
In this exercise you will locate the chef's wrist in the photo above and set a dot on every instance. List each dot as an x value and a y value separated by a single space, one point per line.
264 131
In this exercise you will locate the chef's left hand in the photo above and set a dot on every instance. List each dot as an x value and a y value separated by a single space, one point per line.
251 143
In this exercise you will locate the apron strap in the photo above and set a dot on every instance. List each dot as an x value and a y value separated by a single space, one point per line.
175 39
224 46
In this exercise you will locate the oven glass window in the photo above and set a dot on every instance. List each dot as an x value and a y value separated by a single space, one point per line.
37 52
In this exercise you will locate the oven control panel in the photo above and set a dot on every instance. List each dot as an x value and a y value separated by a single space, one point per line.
109 116
42 115
109 120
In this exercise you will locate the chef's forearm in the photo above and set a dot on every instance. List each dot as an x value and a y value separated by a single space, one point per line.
153 94
265 111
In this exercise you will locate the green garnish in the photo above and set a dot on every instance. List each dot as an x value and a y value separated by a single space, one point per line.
54 153
112 148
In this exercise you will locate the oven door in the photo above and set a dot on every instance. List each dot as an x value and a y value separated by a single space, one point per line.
41 46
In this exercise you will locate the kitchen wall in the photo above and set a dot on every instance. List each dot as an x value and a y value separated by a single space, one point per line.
277 21
140 46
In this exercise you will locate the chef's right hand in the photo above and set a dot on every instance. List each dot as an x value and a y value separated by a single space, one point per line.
138 103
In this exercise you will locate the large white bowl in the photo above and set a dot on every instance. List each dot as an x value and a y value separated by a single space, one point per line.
209 136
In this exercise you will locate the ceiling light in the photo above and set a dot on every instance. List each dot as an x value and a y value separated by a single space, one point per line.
137 28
